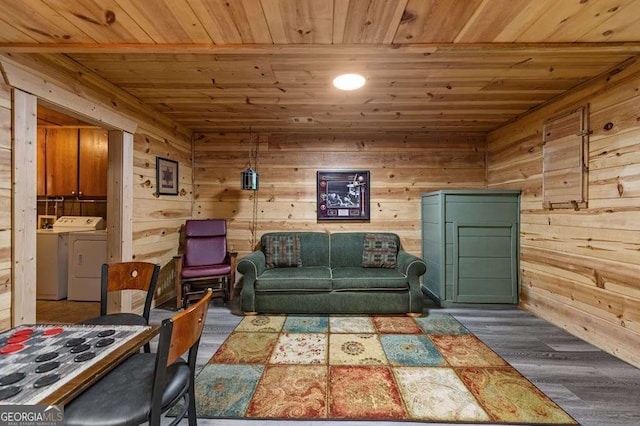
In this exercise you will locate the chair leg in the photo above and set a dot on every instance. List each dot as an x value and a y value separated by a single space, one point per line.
179 301
183 410
230 288
226 285
191 396
184 298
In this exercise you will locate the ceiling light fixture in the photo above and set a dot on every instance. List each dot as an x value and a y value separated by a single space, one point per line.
349 81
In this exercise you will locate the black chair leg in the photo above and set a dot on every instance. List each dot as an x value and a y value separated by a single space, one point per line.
183 411
191 396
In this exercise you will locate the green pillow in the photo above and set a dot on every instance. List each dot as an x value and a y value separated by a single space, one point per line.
380 251
282 251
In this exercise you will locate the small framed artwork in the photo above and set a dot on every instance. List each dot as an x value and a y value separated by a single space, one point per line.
343 195
166 176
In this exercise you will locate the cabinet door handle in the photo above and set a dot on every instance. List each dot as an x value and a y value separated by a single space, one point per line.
80 194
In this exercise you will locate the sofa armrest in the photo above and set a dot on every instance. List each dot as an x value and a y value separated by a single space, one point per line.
413 267
410 265
251 267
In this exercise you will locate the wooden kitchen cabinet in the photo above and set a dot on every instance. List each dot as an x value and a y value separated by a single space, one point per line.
72 162
40 161
61 161
93 163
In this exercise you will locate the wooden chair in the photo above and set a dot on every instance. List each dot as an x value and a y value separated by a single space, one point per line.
146 385
140 276
205 261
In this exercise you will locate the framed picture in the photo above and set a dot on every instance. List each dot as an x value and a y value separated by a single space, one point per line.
343 195
166 176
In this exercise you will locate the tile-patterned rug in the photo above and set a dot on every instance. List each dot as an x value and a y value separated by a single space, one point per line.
366 368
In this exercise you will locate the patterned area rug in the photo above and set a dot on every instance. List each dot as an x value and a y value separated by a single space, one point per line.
366 368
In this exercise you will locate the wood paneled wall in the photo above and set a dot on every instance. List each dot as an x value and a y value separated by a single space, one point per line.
579 269
402 167
157 220
5 207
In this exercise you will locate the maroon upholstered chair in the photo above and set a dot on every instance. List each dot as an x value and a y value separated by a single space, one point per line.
205 260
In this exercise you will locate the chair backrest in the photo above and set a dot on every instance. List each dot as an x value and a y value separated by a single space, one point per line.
129 276
205 242
187 328
178 334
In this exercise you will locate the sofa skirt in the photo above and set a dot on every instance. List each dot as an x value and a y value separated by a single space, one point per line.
337 302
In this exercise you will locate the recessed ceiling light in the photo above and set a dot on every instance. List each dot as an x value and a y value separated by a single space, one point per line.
349 81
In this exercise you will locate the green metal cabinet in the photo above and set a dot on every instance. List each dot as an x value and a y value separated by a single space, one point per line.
470 244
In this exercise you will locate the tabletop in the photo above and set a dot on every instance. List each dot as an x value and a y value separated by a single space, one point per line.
53 363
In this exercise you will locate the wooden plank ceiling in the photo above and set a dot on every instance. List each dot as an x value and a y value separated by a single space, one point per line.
434 65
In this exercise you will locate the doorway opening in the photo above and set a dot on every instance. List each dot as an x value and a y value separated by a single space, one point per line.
71 241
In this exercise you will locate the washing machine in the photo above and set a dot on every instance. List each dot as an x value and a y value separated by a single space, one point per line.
52 254
87 253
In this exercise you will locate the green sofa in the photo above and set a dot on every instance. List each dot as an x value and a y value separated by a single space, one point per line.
327 273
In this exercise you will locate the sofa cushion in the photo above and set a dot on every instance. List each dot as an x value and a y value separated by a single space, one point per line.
379 251
205 271
347 247
308 278
314 246
282 251
358 278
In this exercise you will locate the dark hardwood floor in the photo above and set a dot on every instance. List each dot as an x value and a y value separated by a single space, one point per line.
594 387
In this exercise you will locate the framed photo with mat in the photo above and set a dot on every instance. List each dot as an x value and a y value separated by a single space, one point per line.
343 195
166 176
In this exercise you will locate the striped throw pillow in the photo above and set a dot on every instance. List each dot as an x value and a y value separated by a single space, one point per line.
380 251
282 251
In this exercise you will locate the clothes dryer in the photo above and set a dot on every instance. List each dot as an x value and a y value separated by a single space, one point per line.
87 253
52 254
